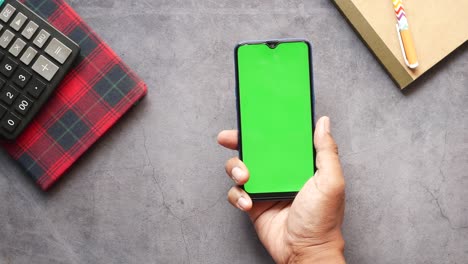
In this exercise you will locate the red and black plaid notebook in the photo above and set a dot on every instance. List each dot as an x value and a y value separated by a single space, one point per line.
90 100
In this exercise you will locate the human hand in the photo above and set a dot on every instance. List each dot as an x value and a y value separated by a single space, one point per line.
308 229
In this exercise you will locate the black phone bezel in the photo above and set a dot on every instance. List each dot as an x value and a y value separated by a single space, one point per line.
276 195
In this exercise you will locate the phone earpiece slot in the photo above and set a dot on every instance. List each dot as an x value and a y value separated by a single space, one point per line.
272 44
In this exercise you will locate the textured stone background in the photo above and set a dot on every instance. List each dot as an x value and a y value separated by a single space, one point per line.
153 190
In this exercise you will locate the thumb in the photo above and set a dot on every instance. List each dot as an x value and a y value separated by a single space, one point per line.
329 176
321 200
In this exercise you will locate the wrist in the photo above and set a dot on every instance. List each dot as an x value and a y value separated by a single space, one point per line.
331 252
325 257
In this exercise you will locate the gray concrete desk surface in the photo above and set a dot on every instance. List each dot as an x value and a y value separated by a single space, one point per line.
153 190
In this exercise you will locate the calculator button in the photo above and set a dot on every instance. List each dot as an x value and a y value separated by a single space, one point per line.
17 47
1 26
58 51
2 83
21 77
41 38
3 111
28 55
29 30
8 95
19 21
7 13
23 104
6 38
8 66
45 68
35 87
10 122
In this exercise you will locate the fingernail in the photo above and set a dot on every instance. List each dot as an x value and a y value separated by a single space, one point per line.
325 125
237 174
242 203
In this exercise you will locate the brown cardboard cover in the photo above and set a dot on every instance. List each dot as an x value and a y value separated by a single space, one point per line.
438 28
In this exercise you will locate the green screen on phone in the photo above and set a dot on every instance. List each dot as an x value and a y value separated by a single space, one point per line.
275 116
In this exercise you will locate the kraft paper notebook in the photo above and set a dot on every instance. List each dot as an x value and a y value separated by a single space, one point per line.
438 28
89 101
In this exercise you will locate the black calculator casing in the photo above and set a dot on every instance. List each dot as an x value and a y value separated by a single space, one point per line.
13 111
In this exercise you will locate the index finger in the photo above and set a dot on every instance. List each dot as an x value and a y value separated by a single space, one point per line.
228 139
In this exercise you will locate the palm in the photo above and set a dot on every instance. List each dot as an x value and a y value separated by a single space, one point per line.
306 222
270 220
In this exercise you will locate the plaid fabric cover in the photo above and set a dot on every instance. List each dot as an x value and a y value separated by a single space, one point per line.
90 100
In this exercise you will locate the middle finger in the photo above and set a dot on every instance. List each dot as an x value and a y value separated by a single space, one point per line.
237 170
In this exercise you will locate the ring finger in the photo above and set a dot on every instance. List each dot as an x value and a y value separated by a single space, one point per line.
239 198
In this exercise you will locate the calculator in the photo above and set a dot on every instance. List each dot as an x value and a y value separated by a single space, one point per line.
34 58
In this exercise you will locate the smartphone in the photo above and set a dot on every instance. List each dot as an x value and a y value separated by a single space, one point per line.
275 112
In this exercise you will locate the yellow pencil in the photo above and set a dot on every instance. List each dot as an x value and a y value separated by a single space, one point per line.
404 35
